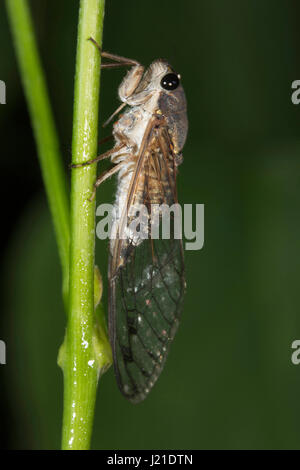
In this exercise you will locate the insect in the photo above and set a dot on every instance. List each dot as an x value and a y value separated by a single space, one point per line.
146 275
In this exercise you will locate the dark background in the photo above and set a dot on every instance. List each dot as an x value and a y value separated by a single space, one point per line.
229 382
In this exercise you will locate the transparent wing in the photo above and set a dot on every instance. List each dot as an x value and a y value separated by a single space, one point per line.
146 292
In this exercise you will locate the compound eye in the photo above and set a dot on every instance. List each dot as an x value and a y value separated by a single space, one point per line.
170 81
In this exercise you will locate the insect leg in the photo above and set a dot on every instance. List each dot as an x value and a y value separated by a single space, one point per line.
100 157
116 58
105 175
115 65
113 114
127 88
119 58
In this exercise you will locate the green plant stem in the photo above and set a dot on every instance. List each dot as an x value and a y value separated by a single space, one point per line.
79 358
86 352
35 89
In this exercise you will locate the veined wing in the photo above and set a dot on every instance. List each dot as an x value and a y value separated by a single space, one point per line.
146 291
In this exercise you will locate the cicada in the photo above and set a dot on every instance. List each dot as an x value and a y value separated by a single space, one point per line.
146 275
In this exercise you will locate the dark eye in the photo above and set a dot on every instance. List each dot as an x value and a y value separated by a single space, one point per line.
170 81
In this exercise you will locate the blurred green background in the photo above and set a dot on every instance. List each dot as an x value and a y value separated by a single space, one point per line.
229 382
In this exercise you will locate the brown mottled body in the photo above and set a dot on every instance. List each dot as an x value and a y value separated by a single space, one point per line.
153 132
146 278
